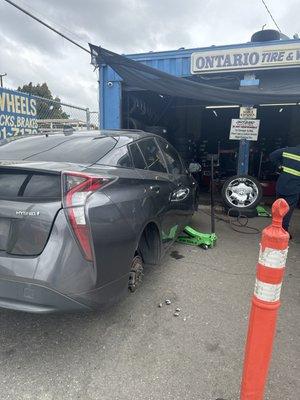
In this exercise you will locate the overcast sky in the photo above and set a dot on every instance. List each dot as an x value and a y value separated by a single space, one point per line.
30 52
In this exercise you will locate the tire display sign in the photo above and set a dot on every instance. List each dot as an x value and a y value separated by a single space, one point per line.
244 129
18 114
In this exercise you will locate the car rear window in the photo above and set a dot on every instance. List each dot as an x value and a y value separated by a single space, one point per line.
15 184
80 150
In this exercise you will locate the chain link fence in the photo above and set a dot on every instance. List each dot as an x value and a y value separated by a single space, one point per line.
56 115
24 113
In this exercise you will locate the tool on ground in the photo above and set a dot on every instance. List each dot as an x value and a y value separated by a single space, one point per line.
196 238
265 304
262 212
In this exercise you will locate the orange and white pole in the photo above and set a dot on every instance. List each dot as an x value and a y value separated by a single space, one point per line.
265 304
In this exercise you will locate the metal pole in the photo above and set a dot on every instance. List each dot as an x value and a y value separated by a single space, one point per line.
212 201
260 164
88 119
243 160
56 102
1 78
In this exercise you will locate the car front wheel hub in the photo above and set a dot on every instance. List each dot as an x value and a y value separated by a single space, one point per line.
136 273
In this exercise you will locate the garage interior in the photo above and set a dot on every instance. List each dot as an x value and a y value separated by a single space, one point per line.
201 132
165 94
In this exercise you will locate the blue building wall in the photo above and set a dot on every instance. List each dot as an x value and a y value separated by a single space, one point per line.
176 62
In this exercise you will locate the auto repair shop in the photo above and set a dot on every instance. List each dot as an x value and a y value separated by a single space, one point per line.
262 74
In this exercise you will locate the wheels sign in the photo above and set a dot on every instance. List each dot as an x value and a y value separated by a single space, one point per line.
18 114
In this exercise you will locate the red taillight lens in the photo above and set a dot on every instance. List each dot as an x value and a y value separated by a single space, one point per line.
77 187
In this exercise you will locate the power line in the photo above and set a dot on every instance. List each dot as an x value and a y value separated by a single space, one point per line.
269 12
47 25
49 19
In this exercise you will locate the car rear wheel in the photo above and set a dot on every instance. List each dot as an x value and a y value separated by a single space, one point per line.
242 192
136 273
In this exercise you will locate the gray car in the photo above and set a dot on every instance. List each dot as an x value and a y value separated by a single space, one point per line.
80 213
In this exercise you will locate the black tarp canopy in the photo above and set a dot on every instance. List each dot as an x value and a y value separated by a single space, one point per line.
139 75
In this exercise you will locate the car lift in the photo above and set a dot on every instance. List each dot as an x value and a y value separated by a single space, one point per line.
195 238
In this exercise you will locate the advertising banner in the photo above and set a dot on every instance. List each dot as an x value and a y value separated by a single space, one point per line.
18 114
246 58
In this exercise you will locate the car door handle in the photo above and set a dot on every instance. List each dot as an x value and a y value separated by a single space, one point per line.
155 188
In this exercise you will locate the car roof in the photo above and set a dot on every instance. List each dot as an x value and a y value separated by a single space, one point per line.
127 135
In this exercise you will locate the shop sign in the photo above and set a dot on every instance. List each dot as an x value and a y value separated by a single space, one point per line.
248 112
244 129
18 114
246 58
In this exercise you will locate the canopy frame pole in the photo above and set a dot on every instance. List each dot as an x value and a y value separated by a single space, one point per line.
243 158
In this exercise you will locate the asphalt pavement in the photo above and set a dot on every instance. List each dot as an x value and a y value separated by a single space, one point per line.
137 350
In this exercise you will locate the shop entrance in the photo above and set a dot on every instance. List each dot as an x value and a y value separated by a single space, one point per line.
201 132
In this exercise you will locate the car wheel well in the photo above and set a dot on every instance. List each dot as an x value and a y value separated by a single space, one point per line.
149 247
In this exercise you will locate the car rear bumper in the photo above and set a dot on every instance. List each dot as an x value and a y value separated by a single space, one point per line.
34 297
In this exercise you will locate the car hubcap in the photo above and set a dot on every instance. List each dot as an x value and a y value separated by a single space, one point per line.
136 273
241 192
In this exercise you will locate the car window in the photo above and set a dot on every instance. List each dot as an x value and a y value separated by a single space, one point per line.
137 157
172 158
152 155
14 184
119 157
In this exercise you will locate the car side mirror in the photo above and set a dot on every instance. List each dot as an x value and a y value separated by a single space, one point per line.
194 167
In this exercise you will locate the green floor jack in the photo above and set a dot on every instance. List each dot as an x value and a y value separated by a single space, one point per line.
195 238
262 212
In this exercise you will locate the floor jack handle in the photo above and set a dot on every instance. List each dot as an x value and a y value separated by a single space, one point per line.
212 199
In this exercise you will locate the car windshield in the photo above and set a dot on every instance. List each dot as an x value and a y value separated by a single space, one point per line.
58 148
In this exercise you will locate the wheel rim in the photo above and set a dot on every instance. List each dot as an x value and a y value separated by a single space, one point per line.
136 273
241 192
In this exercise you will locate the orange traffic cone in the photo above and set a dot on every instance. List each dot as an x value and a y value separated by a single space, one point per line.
265 304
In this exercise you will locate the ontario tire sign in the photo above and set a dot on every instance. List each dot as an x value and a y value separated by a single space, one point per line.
246 58
18 114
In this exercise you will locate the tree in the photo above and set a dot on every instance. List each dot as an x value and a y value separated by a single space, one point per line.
45 109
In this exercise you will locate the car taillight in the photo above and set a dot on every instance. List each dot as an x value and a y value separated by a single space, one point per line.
77 187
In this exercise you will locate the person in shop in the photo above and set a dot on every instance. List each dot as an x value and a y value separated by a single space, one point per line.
288 183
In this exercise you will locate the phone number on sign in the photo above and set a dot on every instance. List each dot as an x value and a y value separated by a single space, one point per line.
11 125
14 131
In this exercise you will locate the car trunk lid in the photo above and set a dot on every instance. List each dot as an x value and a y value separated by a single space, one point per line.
30 198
